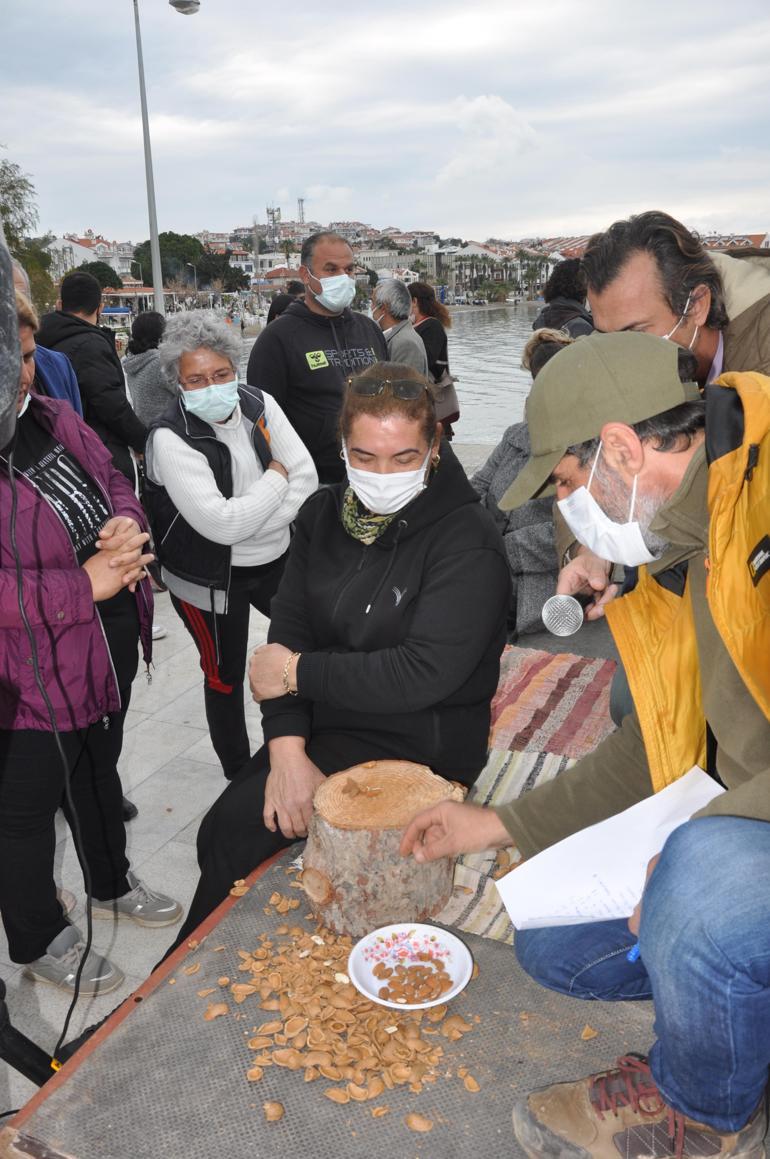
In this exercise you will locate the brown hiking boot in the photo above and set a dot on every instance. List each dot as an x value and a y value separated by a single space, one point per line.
622 1112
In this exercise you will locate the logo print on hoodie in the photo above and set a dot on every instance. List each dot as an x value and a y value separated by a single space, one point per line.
316 359
398 595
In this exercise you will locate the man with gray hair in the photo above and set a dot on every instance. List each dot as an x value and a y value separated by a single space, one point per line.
391 307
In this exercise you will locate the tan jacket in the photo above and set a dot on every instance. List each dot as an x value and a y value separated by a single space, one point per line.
618 773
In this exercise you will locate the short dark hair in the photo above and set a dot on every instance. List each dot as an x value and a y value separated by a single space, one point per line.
421 409
146 332
681 260
665 430
294 287
309 244
568 280
80 293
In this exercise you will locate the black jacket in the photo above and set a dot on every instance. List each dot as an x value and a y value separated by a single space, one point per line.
302 359
401 640
565 314
106 409
434 340
180 548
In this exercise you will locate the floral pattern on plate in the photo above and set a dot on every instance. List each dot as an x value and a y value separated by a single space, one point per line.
399 946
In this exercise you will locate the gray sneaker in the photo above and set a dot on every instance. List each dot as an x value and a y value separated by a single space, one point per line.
59 965
141 905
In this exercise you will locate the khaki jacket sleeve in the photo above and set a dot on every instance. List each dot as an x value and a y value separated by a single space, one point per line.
610 779
751 799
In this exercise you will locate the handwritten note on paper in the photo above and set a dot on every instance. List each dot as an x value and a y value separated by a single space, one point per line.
599 873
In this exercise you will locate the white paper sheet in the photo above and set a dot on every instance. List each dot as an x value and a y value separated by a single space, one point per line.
599 873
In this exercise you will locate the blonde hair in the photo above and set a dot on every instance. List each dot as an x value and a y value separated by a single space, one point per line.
25 311
545 336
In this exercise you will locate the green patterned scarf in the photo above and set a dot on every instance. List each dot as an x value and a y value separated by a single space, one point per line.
361 524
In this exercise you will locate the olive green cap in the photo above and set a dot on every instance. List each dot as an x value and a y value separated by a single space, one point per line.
601 378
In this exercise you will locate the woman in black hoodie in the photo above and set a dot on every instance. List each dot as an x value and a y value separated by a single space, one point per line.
385 634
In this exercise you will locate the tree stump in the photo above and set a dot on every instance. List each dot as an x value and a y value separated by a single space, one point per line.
353 873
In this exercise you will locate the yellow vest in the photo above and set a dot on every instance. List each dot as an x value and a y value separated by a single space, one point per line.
653 627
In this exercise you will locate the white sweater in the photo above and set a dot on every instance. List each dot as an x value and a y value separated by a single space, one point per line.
255 521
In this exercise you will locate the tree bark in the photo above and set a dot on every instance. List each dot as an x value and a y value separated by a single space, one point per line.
354 876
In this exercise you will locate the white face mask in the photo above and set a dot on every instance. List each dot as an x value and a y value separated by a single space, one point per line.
675 327
591 526
386 494
24 406
336 293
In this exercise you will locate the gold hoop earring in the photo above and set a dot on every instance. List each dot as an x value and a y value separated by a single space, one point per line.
435 460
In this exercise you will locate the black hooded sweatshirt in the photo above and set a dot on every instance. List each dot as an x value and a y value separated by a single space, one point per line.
400 640
106 409
302 359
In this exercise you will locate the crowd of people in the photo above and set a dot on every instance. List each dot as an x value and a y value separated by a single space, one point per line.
324 492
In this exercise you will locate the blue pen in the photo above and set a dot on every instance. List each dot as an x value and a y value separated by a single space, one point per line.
633 953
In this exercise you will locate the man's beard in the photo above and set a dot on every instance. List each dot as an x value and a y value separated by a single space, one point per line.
616 502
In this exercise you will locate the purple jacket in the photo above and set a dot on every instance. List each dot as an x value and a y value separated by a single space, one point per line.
74 658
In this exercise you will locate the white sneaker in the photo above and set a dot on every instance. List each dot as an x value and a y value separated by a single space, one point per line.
159 632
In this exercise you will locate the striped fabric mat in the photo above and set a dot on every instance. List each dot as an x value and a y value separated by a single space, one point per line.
548 712
551 703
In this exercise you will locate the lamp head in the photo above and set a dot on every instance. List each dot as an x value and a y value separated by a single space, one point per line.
186 7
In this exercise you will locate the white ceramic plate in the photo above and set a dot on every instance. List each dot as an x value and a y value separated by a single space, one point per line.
400 944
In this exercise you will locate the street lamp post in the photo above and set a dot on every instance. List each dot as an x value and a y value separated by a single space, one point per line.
134 262
187 8
194 269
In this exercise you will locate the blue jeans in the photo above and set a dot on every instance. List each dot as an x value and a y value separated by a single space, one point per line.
705 960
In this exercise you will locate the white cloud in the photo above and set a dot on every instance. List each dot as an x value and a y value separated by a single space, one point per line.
504 117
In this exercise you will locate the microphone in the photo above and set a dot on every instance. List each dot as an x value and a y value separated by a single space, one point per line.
10 356
562 615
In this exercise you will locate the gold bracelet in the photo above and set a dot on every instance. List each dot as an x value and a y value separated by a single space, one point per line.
287 690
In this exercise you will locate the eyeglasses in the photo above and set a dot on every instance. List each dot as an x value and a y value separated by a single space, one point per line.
196 381
407 389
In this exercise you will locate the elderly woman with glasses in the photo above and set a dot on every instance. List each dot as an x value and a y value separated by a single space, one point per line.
226 476
386 631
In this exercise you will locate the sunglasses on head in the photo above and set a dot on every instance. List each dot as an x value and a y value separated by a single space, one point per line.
404 388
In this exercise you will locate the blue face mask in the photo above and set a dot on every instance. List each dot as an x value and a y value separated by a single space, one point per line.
213 403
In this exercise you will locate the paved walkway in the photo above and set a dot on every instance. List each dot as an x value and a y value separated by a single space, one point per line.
171 773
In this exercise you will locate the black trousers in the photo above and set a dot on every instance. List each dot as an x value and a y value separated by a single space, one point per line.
233 839
222 641
31 790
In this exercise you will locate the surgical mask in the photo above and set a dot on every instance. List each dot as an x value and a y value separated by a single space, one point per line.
336 293
385 494
212 403
676 326
618 542
24 406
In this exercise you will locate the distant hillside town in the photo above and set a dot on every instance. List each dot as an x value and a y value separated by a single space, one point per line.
266 256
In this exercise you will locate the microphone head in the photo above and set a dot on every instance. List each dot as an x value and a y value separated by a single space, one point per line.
562 615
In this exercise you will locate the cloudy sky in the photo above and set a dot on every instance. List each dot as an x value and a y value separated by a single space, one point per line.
505 118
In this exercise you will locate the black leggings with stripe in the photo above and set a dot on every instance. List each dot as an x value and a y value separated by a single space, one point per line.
222 649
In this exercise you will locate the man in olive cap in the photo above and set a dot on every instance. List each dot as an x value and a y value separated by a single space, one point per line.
651 475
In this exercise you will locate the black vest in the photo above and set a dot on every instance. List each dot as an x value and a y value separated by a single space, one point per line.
179 547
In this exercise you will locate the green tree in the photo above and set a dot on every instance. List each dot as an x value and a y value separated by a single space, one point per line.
17 205
34 255
107 278
214 267
176 250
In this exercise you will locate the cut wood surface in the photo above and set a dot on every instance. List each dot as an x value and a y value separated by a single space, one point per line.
353 874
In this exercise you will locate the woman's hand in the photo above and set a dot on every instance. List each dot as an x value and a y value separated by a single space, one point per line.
122 540
266 672
290 788
107 581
